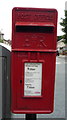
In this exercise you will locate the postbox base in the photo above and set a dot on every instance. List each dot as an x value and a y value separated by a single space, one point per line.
32 112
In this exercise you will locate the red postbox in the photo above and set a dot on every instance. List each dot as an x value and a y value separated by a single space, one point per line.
34 32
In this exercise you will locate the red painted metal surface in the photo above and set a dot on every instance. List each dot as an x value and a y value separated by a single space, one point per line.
34 32
34 24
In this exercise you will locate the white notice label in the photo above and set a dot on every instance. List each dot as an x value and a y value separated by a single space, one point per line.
32 79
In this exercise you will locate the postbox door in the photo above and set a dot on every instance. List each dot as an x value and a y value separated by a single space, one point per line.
31 96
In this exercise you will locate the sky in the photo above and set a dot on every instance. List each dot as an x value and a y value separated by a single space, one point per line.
6 7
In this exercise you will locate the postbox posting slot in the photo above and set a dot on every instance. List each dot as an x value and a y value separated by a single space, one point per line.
34 27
